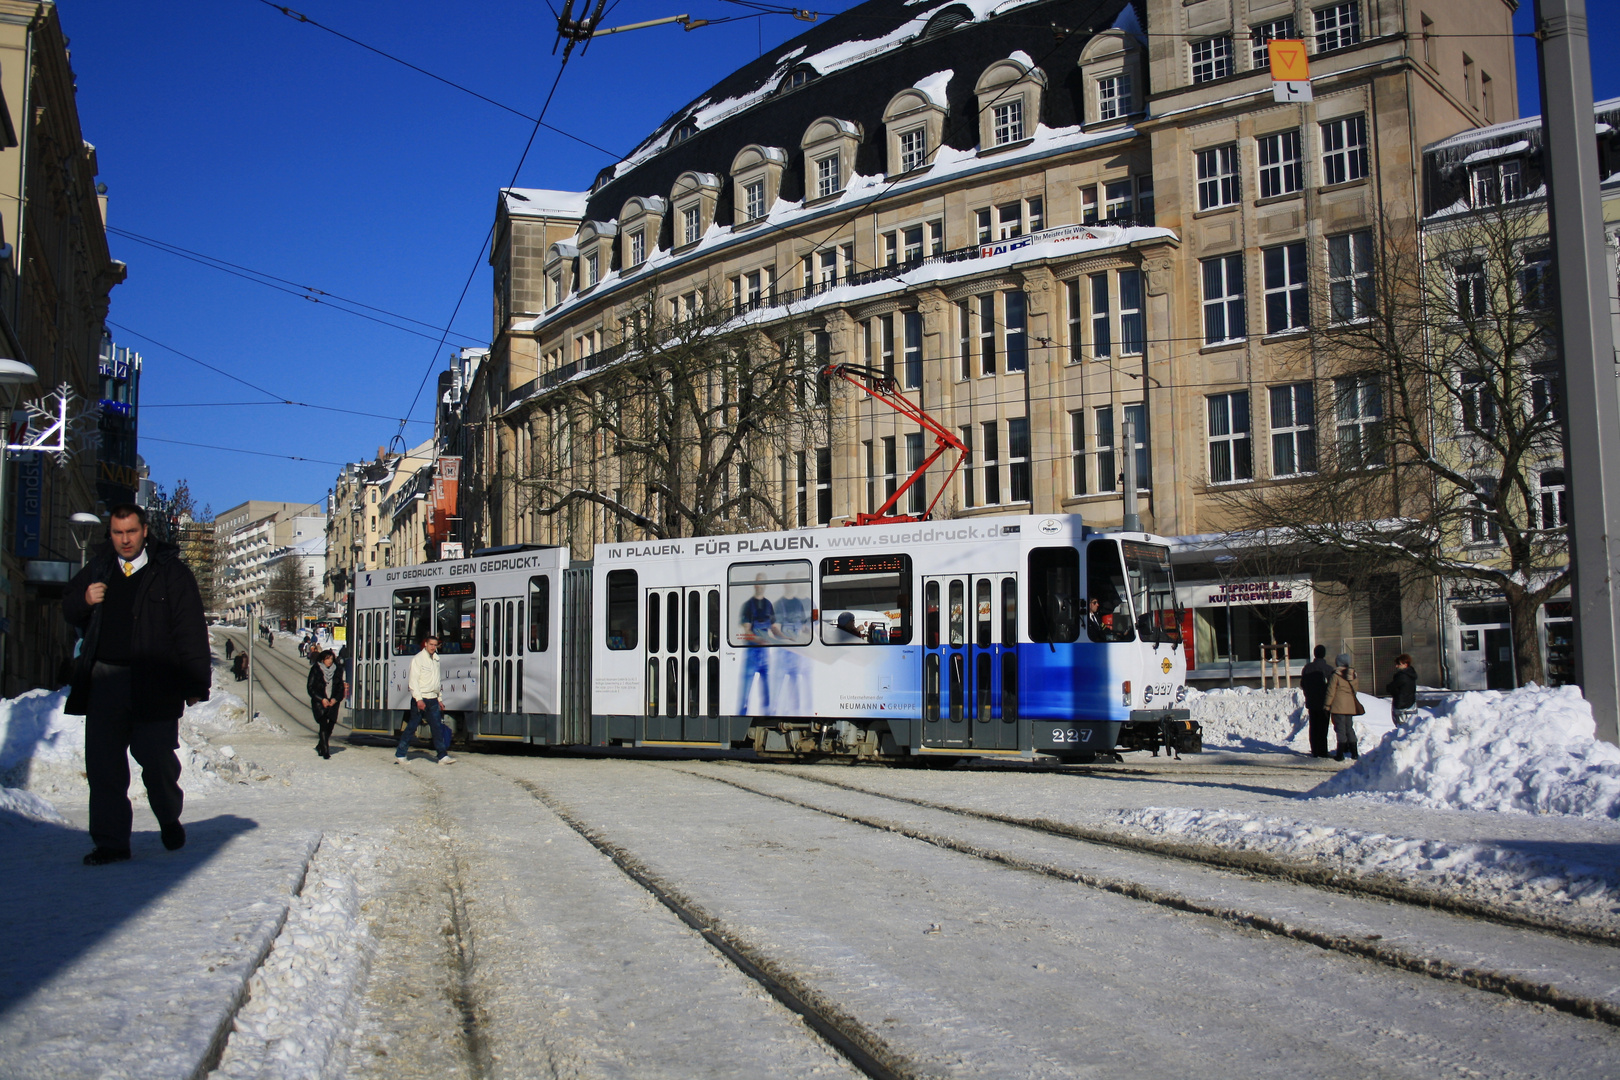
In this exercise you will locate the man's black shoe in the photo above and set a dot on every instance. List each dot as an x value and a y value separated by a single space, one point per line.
104 855
174 836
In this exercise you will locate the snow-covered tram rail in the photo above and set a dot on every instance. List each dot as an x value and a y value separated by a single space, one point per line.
1001 637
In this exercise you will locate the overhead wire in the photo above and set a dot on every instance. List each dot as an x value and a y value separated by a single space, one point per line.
239 450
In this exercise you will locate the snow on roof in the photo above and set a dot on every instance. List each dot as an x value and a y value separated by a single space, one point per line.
1510 127
534 202
315 545
1022 57
933 87
1497 152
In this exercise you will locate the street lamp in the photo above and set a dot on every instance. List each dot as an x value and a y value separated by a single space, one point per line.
78 521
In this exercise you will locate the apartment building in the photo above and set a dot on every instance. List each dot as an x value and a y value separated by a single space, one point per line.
1047 222
246 538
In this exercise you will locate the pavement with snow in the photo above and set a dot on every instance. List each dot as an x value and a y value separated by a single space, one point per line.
352 918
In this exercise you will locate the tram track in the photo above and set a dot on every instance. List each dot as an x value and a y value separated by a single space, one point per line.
1372 948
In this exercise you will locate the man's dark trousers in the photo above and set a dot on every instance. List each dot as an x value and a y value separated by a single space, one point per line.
112 727
1320 719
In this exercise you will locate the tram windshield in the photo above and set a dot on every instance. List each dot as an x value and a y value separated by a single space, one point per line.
1107 613
1153 591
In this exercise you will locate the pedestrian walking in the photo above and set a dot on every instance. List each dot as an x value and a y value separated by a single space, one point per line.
325 693
1345 707
145 658
230 647
424 682
1402 689
1313 682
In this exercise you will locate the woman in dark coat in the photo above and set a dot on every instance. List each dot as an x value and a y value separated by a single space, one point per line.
325 695
1402 688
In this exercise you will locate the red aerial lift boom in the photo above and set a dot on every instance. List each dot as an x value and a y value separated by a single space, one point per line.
884 388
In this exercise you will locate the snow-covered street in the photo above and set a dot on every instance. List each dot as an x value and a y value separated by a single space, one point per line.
1247 910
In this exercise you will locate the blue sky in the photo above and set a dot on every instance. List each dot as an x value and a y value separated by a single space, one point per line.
227 128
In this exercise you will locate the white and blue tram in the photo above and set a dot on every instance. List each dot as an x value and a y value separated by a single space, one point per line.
1010 637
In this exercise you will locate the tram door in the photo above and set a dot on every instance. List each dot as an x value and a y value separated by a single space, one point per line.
500 671
682 670
970 658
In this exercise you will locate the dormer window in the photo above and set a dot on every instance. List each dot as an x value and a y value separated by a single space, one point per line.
691 228
683 131
946 21
1113 97
754 199
1007 126
827 176
915 122
1496 182
638 247
593 269
913 149
756 178
796 78
693 198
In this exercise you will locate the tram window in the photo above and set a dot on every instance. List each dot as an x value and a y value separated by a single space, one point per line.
931 615
931 687
457 610
694 668
866 600
1153 591
412 617
694 625
652 687
673 644
1108 614
653 612
981 685
520 623
1009 687
539 614
496 631
511 629
714 686
983 612
769 603
1009 611
958 619
714 620
484 647
1054 594
672 690
622 589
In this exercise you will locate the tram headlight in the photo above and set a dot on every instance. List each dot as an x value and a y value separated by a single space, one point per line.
1125 693
1181 694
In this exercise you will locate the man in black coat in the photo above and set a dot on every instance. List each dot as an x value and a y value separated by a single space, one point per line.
145 658
1313 682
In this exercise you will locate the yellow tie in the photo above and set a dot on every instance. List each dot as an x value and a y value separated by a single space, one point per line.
128 569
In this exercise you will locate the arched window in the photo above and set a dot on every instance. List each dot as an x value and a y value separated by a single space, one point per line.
683 131
945 21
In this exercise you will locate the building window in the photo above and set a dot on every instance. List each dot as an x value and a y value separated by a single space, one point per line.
1132 327
1015 308
638 247
890 469
871 476
1478 400
1117 200
966 471
1223 299
1076 319
1262 35
1107 470
1018 474
1487 93
992 467
1088 205
1077 452
1009 221
1287 306
555 288
1553 500
1102 327
912 344
936 238
754 197
592 269
1337 26
1007 122
1231 455
964 339
1293 429
1534 280
1281 170
801 501
1496 182
1344 150
1470 277
885 324
1144 200
1359 405
987 334
1350 282
1035 213
827 179
1427 27
1113 97
1468 79
913 244
916 494
982 226
913 149
1211 59
824 511
691 232
1483 528
1218 177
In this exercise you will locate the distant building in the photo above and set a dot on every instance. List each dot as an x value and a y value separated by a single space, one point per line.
246 538
117 463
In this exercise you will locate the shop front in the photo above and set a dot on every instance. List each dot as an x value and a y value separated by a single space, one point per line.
1228 625
1480 640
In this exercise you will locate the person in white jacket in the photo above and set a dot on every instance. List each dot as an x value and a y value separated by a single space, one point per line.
424 687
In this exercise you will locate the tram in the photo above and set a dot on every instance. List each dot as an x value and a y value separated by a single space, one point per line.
1030 637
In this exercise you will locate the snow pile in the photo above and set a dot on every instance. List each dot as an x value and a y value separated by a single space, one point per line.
1545 882
1271 721
1531 750
24 806
303 998
42 747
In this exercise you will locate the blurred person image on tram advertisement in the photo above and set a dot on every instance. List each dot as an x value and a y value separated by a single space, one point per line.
325 694
1402 690
424 679
793 627
756 625
145 657
1345 707
1313 683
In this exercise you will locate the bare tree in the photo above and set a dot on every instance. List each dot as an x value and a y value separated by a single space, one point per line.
1444 456
287 594
676 434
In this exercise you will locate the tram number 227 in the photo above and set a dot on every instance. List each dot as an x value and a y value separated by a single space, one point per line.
1071 735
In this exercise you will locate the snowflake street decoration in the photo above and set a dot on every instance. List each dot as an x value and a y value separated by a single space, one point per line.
61 424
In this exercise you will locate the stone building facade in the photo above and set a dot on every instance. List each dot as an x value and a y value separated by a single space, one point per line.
1042 235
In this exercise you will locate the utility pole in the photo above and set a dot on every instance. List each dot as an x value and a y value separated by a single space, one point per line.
1589 394
252 632
1131 521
